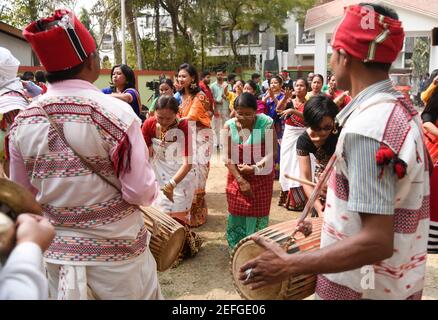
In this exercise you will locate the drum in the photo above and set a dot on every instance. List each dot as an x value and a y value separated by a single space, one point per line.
295 288
167 237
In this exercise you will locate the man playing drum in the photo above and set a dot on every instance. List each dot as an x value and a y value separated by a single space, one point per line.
374 238
101 244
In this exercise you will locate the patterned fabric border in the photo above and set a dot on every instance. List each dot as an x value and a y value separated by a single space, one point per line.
64 165
406 220
96 250
397 128
328 290
339 184
89 216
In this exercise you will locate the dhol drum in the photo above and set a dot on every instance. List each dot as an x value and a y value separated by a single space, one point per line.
167 237
294 288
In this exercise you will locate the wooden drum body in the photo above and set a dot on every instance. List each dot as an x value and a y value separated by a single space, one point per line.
295 288
167 237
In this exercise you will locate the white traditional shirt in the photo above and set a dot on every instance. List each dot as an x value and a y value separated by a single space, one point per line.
379 116
95 224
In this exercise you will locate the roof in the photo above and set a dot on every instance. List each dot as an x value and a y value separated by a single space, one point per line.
333 10
12 31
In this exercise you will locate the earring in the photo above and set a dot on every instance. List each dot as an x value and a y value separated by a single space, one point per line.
335 130
193 86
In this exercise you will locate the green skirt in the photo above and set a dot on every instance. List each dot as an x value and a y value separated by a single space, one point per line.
239 227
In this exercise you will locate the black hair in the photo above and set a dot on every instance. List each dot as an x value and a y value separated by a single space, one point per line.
129 75
27 76
252 84
167 102
204 74
191 70
279 79
430 80
255 76
432 104
320 76
40 77
387 12
305 82
246 100
169 82
317 108
231 76
68 74
381 9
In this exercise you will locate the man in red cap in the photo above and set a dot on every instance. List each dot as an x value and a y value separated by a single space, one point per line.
374 237
62 147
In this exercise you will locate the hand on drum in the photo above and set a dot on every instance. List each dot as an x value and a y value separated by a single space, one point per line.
272 266
305 228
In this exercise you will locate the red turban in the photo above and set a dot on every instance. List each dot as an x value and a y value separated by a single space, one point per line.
368 35
61 41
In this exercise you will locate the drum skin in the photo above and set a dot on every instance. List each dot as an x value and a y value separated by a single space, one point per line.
294 288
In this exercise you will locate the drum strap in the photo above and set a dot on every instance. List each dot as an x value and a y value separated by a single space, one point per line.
156 229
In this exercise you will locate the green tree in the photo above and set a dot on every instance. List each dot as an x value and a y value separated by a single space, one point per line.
420 57
243 17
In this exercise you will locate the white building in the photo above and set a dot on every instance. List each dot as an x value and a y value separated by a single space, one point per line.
419 17
292 48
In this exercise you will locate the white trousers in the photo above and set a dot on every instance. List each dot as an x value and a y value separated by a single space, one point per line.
134 279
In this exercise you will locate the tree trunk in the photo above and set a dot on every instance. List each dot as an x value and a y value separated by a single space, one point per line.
132 31
157 31
116 45
233 44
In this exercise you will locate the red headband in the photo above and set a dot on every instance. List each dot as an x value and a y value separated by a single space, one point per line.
61 41
368 35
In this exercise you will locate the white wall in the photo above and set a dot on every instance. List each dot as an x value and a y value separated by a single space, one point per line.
19 48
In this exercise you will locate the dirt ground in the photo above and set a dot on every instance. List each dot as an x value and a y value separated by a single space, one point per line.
207 276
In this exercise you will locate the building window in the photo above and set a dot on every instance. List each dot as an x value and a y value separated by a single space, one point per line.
282 42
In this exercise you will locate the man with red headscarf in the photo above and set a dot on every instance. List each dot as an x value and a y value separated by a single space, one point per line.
374 237
101 244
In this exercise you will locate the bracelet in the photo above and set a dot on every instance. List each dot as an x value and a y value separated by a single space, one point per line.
172 182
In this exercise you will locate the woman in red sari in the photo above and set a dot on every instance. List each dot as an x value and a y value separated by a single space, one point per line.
430 126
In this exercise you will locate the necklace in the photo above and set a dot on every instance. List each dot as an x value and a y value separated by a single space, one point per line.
163 132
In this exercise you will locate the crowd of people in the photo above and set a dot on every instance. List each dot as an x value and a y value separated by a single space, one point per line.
67 135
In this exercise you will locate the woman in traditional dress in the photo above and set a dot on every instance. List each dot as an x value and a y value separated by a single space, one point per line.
320 140
271 99
123 87
291 108
168 141
194 108
430 125
341 98
316 86
166 88
251 87
250 155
